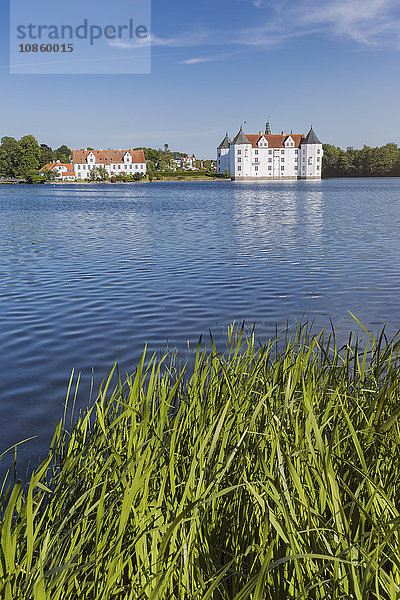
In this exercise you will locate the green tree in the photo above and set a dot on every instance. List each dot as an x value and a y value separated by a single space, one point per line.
98 174
63 154
9 157
381 161
50 175
29 158
46 155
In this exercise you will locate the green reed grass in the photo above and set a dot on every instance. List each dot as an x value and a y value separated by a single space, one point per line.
269 472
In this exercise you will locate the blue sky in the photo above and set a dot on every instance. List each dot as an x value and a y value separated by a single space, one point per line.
215 64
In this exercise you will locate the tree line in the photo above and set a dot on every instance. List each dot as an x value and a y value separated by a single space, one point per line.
383 161
25 157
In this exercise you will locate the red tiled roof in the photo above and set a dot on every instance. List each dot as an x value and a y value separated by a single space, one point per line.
107 157
51 166
275 141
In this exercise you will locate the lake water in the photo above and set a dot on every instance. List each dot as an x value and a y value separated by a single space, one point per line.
89 274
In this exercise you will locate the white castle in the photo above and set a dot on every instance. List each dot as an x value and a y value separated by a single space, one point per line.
267 156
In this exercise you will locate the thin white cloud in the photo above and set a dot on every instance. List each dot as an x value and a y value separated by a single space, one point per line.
206 59
180 41
368 22
199 60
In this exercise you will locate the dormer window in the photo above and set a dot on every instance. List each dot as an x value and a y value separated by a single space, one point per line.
262 143
289 143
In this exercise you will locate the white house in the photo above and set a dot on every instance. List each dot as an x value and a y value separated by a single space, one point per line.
267 156
62 170
188 163
115 162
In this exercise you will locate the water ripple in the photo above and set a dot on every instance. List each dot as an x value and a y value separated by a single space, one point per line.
90 274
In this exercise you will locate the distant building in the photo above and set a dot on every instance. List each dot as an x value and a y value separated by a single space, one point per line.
187 163
115 162
267 156
62 170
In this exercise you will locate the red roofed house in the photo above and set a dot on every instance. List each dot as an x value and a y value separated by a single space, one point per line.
116 162
267 156
65 171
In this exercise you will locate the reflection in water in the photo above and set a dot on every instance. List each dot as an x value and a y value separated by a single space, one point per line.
277 215
313 208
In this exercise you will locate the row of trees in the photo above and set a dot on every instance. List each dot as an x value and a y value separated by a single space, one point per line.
367 162
23 158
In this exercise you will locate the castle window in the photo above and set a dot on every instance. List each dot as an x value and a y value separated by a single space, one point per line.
256 160
282 152
269 168
282 167
239 152
239 168
239 160
317 167
256 168
318 151
270 160
256 152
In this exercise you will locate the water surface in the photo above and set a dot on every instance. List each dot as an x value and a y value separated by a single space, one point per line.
89 274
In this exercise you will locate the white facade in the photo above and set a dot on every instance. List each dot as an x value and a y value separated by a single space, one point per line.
266 156
115 162
62 170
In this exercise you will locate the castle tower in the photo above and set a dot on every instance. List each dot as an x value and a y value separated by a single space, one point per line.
311 154
240 156
223 155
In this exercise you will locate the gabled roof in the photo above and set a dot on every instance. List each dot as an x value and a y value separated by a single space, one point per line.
226 142
240 138
311 138
276 141
107 157
69 168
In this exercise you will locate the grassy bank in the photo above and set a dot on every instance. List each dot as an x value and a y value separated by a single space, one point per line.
266 472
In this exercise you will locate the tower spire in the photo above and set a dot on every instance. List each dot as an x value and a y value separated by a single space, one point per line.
268 127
